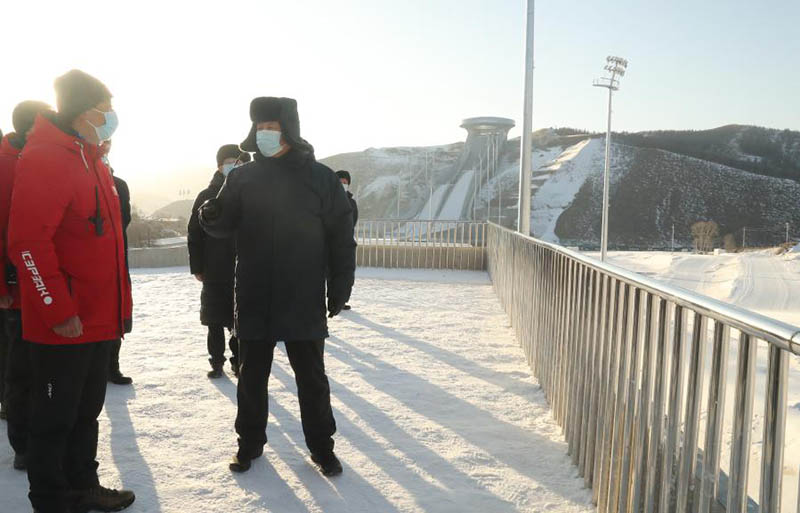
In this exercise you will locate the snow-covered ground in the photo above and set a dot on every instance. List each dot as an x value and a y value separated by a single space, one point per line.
761 281
436 408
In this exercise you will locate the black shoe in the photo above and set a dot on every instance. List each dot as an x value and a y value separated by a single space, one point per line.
346 307
327 463
3 412
243 461
215 373
20 462
100 499
118 379
235 369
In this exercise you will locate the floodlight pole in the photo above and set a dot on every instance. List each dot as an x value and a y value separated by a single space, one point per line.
616 67
526 147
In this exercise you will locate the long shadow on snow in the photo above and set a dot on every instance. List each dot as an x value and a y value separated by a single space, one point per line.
134 471
503 380
429 496
287 441
453 413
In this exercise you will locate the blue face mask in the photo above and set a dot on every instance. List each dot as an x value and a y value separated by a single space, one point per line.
106 130
268 142
227 168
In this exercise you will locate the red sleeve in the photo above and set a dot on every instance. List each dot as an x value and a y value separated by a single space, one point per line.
6 186
40 198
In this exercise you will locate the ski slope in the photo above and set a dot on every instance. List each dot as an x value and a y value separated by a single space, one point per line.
435 405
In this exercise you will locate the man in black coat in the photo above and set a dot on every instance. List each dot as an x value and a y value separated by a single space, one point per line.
345 179
115 376
291 220
213 262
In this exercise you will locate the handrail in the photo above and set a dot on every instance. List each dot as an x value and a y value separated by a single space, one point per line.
621 359
784 335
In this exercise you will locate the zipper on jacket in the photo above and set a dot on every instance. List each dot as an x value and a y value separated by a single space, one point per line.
85 163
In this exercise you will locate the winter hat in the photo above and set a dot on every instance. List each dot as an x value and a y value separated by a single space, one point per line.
77 92
344 174
283 110
231 151
25 113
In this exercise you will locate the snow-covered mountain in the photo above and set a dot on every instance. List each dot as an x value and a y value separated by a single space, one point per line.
652 187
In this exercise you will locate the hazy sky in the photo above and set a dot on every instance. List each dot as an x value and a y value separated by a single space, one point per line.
393 73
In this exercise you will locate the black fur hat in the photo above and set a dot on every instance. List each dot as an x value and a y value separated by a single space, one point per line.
231 151
77 92
283 110
344 174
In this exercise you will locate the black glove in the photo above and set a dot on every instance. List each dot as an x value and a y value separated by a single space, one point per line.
334 307
210 210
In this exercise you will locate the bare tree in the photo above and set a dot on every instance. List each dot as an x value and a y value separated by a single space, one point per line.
704 234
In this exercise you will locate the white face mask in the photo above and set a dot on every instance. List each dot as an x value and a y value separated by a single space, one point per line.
345 186
227 168
268 142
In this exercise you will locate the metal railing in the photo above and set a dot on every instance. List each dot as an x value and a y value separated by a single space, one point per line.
609 348
421 244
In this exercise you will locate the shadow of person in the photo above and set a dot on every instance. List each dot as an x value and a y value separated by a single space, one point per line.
435 487
342 493
134 471
501 441
505 380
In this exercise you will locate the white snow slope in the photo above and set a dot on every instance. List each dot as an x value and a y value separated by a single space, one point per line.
436 410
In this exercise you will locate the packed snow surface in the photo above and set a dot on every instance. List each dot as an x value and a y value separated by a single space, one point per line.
436 411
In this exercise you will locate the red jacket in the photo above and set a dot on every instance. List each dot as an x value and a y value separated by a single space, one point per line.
8 162
65 237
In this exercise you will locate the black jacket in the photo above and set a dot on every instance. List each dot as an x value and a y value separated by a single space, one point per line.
291 220
354 206
125 204
215 259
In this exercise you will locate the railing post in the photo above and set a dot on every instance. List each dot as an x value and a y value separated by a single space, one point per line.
774 430
644 415
668 474
742 419
655 452
629 403
688 461
716 410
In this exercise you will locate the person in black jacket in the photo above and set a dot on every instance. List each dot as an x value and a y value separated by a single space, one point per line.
344 177
291 220
213 261
115 376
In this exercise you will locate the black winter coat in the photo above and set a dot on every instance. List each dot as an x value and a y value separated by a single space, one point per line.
125 204
215 259
354 206
291 220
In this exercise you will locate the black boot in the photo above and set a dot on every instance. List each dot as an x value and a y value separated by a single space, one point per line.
216 371
327 463
100 499
347 307
243 460
118 379
235 367
20 462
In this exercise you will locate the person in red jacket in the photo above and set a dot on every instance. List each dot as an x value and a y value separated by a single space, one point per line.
65 239
17 364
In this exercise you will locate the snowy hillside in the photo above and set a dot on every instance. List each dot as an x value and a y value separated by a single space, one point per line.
652 188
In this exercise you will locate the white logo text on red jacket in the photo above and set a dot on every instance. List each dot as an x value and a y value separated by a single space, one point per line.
38 281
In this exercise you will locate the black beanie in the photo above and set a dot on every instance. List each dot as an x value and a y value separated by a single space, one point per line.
77 92
231 151
283 110
344 174
24 115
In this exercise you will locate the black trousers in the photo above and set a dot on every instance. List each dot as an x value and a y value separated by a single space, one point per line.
68 389
216 345
18 383
113 358
313 390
